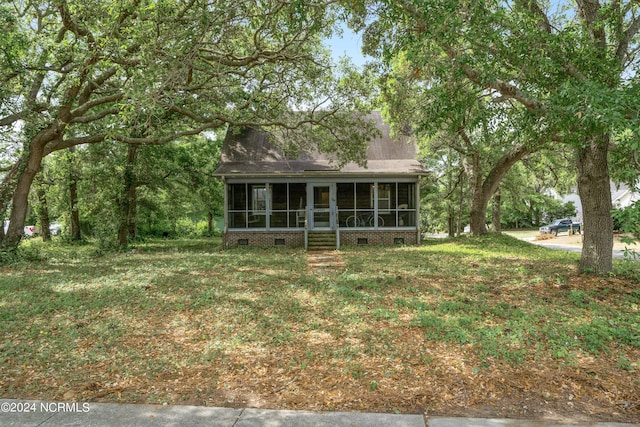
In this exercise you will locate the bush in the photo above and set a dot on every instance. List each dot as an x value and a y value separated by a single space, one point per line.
29 250
628 219
186 227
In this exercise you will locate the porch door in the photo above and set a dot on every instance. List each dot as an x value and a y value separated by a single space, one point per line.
322 206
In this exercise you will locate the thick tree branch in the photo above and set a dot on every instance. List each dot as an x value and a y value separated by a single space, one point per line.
71 25
626 38
62 144
502 166
78 112
589 11
534 8
98 116
13 118
96 83
507 90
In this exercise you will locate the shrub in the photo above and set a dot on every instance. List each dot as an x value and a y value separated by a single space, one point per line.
627 219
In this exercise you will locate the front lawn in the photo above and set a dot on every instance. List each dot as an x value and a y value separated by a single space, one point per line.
486 326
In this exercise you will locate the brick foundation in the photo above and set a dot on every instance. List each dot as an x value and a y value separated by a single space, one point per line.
380 237
293 239
290 239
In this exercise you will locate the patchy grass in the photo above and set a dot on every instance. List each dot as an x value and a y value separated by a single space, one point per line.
487 326
522 233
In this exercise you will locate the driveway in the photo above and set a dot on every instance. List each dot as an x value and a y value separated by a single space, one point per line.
574 244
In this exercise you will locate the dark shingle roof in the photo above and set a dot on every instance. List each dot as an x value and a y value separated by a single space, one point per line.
248 151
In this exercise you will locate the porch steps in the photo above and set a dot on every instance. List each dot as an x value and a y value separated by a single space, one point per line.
321 241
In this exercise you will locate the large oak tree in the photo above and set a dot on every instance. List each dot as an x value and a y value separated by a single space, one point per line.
571 66
151 71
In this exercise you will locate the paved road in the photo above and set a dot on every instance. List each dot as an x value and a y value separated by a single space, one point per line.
617 254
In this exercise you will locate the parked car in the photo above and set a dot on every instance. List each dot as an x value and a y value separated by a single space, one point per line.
29 230
55 228
561 225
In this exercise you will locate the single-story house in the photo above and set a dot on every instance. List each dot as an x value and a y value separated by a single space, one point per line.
275 200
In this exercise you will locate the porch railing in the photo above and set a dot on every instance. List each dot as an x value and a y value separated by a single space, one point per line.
337 220
306 232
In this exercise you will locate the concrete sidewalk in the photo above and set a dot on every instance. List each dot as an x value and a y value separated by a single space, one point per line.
25 413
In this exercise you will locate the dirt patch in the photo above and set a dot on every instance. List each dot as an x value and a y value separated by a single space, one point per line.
325 261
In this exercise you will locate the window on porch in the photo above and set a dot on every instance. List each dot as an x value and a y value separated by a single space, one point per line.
280 205
283 205
393 202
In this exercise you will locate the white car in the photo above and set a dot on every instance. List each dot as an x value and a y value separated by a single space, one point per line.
29 230
55 228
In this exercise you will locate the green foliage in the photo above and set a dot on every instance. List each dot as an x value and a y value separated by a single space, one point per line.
9 256
13 45
186 227
526 201
147 74
444 194
520 69
534 210
174 183
628 219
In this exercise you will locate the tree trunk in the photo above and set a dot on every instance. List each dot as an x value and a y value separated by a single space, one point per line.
133 209
451 222
210 223
7 189
495 212
43 213
128 199
21 176
459 226
484 189
595 195
73 197
479 200
20 200
478 214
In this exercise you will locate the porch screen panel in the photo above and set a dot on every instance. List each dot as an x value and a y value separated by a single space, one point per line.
237 205
257 206
365 204
345 195
387 204
279 206
407 205
297 204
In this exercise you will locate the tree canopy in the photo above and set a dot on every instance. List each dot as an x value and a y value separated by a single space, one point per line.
571 68
149 72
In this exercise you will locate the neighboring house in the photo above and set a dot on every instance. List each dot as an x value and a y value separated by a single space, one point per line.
272 200
621 197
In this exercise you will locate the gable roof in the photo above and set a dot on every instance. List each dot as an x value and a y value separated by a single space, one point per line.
249 152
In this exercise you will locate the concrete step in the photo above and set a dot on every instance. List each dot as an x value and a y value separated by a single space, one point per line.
321 248
321 241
